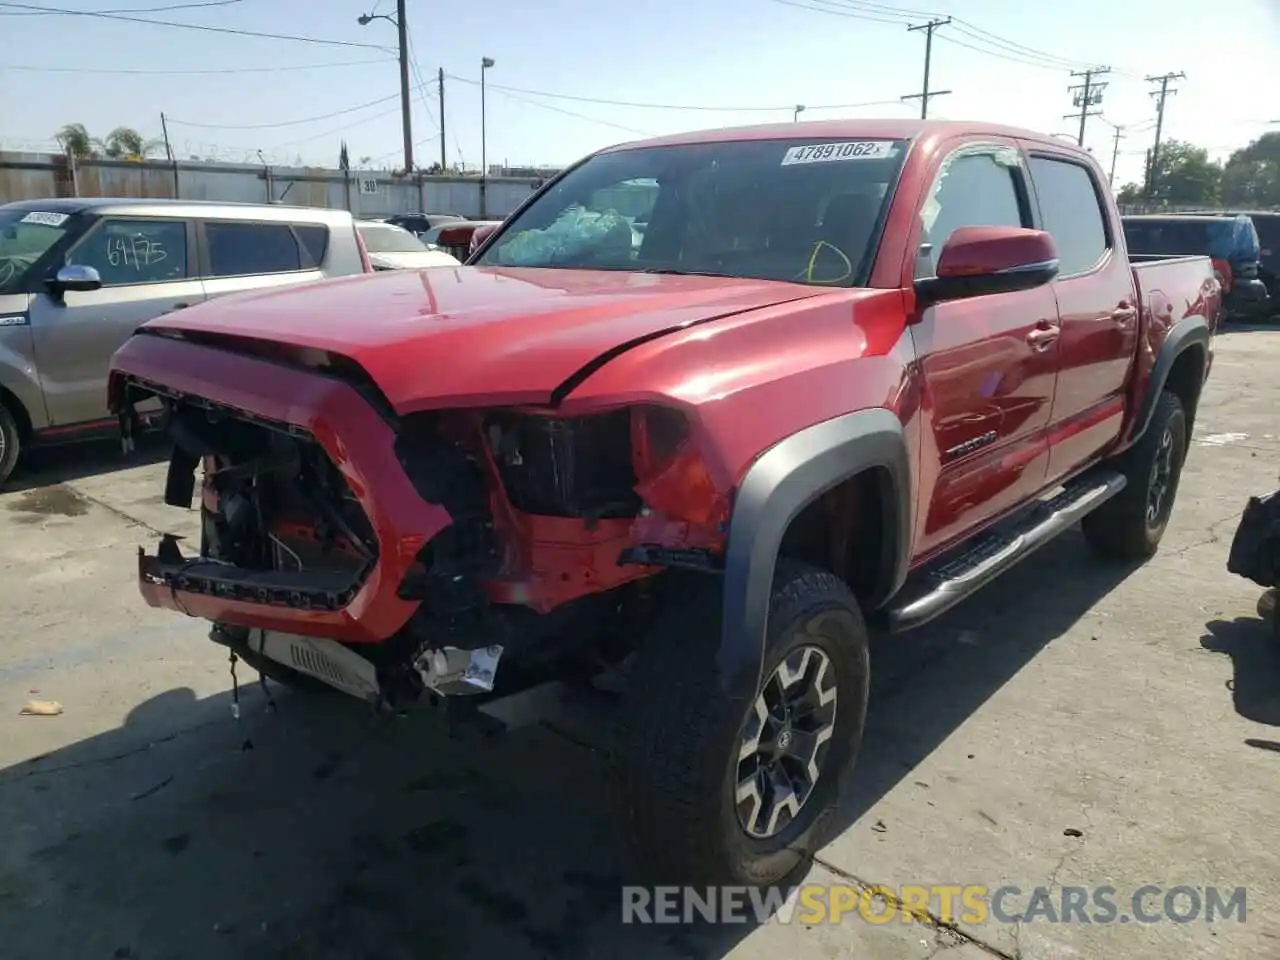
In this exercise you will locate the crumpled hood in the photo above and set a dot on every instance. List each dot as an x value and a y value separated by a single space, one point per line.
450 337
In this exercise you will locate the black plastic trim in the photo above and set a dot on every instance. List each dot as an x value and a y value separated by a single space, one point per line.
776 488
1182 335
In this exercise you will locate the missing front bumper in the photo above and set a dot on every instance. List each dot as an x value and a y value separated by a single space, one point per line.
169 570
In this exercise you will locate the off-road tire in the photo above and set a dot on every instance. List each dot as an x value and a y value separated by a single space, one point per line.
676 755
10 443
1120 528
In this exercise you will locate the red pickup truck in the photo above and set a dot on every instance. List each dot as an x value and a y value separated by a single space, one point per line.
716 405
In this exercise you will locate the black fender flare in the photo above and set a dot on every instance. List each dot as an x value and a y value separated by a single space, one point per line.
1186 333
786 478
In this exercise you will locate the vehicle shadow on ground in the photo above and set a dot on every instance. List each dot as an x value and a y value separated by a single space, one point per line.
47 466
320 831
1255 661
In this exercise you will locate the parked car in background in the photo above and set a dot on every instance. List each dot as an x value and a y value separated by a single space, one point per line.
1267 223
394 248
850 373
420 223
78 276
1230 240
460 239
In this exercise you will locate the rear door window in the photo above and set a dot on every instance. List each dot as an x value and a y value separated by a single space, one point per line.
127 252
315 244
244 249
1072 213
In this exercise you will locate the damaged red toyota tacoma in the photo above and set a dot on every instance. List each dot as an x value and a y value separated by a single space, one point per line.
716 405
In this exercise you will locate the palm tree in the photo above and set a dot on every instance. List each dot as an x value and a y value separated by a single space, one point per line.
124 143
74 139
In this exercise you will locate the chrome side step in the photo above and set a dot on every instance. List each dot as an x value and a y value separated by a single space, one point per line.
940 587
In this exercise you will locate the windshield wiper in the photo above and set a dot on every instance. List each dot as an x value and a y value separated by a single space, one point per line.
674 272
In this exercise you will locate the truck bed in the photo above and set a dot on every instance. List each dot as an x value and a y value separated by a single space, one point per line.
1172 288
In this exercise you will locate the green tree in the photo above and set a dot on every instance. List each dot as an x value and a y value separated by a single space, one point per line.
1186 175
1129 193
125 142
1251 177
74 139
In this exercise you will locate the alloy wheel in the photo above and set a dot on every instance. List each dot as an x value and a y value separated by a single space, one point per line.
784 742
1161 482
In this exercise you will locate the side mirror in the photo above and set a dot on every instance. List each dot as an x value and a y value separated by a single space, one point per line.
74 277
976 261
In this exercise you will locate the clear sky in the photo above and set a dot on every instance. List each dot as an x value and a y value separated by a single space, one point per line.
834 56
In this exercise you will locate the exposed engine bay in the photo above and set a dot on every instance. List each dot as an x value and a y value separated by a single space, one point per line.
556 529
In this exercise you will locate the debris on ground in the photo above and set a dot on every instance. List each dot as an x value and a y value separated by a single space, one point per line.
41 708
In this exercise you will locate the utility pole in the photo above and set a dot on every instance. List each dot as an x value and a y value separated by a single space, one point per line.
403 31
1086 95
402 35
1118 135
440 88
1161 95
924 95
485 64
168 152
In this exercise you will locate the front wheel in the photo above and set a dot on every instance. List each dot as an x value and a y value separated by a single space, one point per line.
715 790
1131 524
10 443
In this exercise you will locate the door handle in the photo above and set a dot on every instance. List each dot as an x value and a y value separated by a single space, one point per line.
1124 315
1043 337
181 306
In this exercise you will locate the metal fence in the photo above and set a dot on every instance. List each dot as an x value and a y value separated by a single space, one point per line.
33 176
1154 207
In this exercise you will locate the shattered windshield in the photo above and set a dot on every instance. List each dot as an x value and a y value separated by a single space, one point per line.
25 236
798 210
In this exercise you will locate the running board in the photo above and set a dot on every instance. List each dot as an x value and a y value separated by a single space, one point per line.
940 587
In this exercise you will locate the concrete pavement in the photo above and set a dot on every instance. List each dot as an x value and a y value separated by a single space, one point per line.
1074 726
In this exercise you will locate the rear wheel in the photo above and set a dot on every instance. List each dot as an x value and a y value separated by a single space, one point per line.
716 790
1131 524
10 443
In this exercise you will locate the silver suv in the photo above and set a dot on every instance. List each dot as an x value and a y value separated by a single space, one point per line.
78 276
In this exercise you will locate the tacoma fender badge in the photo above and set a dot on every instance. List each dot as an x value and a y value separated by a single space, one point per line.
982 440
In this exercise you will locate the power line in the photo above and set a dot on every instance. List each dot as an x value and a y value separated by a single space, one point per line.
283 123
1004 49
422 85
192 26
165 9
569 113
416 143
336 131
179 73
786 108
1012 47
924 95
1029 55
1009 57
1086 95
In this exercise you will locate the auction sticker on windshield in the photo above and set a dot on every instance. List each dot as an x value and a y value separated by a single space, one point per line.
46 219
828 152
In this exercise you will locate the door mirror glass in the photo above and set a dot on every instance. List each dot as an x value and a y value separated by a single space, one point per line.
77 277
976 261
